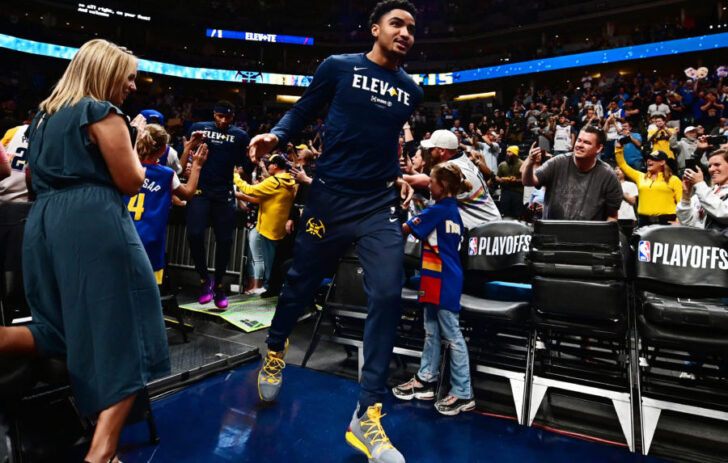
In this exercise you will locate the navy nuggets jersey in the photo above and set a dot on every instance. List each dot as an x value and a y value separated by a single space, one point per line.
440 229
227 149
369 105
150 210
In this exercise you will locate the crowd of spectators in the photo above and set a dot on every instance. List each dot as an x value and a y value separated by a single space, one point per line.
639 113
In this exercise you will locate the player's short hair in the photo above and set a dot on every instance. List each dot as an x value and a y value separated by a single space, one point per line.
225 104
385 6
601 137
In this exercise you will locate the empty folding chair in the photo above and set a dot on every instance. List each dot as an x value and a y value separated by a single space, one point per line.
581 315
682 313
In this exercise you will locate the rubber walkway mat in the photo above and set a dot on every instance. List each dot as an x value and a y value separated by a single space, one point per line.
249 313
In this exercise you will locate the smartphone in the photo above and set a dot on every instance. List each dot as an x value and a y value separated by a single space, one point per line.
691 164
716 140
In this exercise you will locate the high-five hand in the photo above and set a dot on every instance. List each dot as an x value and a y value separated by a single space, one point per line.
261 145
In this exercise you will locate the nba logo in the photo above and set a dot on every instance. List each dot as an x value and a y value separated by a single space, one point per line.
473 247
644 251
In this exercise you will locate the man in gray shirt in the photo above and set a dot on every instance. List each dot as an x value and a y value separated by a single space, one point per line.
578 185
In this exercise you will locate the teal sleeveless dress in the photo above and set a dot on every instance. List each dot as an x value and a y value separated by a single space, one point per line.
88 280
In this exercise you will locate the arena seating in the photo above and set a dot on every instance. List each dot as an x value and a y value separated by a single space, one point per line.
682 313
345 306
581 312
495 316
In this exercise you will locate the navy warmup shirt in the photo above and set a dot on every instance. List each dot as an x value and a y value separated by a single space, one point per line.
227 149
369 105
439 227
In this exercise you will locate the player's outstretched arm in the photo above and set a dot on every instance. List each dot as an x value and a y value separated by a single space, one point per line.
261 145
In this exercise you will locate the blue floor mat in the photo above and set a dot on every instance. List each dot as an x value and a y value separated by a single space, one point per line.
222 420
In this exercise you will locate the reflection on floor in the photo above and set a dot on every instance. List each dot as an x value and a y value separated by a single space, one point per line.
221 420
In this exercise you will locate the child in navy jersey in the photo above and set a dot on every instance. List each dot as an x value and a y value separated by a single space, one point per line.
440 229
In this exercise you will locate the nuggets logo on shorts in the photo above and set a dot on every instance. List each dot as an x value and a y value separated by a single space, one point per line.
644 251
315 227
473 246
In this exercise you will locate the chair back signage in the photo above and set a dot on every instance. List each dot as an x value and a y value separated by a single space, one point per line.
682 256
497 246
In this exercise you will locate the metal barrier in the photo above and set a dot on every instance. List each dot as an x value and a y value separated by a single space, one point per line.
178 249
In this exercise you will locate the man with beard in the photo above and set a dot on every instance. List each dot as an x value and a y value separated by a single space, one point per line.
353 199
476 205
578 185
214 200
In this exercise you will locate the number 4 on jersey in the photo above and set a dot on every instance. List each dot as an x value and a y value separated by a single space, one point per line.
136 206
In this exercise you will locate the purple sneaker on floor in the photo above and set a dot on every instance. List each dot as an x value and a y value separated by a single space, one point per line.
221 300
206 291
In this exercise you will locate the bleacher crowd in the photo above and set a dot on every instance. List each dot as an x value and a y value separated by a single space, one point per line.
662 123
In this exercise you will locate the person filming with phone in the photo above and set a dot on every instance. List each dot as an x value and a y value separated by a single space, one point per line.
702 205
578 185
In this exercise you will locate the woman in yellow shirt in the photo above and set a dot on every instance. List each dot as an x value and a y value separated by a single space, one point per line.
659 190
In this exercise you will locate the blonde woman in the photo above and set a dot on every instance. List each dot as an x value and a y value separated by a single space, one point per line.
659 189
88 281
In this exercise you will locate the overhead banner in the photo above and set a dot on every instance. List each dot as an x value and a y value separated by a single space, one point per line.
258 37
636 52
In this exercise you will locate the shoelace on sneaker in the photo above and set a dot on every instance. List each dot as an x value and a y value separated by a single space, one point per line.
273 365
375 429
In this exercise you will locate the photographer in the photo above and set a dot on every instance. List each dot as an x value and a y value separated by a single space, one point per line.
685 148
632 144
703 206
491 149
658 138
578 185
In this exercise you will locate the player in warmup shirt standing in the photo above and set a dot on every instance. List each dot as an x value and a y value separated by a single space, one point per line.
214 200
353 198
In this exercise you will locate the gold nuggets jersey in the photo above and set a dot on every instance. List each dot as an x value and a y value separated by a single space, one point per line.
13 188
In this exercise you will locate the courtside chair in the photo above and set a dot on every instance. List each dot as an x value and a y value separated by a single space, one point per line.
581 313
496 304
682 320
345 309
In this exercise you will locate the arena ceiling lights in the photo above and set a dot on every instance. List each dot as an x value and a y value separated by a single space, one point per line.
475 96
651 50
258 37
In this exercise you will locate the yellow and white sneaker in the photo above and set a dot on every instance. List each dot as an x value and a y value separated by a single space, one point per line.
367 436
270 376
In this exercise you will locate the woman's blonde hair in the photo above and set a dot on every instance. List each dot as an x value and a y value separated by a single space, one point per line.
152 140
97 71
451 178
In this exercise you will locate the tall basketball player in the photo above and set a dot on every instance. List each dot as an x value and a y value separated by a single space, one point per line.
353 199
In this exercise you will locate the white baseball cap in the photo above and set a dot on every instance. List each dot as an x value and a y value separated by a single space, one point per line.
441 139
690 128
